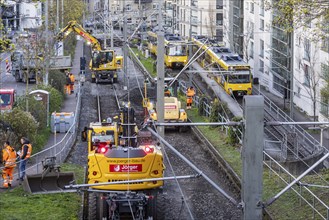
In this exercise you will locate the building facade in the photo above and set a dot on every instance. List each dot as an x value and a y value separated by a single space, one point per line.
282 61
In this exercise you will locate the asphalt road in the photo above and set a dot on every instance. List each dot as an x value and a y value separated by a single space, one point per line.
7 81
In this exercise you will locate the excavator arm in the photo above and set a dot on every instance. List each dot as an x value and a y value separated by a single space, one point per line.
74 26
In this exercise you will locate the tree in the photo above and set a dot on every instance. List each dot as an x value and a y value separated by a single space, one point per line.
291 14
212 21
248 49
308 61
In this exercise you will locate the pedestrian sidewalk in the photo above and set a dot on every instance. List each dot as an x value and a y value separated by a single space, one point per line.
59 144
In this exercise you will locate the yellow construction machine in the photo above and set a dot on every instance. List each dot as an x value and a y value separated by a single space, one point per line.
173 111
125 171
104 63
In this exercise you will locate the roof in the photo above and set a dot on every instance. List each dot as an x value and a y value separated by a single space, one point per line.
7 90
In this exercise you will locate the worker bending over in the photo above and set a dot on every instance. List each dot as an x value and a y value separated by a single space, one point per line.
190 93
167 92
9 161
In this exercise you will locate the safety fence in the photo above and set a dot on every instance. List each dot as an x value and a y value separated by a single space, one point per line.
306 196
59 150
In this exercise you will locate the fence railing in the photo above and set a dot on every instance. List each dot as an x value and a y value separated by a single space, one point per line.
319 208
60 150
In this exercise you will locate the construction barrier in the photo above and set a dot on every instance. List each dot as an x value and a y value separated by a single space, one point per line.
8 67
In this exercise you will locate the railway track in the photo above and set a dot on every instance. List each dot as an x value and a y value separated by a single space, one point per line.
203 200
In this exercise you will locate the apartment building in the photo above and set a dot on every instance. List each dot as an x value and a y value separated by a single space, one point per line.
274 54
133 9
199 17
22 16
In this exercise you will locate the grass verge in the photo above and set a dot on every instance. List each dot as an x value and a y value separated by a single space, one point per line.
18 204
147 62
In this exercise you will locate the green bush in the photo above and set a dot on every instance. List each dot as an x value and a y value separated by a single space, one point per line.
56 98
36 108
57 80
23 124
232 136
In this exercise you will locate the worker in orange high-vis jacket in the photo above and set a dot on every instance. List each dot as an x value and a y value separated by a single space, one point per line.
167 92
190 93
68 83
9 161
25 154
72 79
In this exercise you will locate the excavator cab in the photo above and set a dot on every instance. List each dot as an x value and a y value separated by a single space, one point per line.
51 180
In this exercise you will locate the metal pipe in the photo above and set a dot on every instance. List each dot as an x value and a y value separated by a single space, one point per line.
277 123
131 181
198 123
312 185
273 199
231 199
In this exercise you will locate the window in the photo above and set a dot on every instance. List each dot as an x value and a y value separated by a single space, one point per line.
325 44
128 7
252 7
252 25
251 51
155 6
261 46
261 66
307 50
298 91
261 24
261 8
219 4
306 76
325 72
219 19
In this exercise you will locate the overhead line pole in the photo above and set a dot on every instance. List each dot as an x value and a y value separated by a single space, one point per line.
47 45
190 45
125 51
160 70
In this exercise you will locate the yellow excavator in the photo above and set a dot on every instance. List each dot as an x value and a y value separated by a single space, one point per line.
104 63
125 171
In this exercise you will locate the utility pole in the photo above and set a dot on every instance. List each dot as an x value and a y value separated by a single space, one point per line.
252 157
111 23
292 74
160 71
47 45
105 22
190 54
125 51
62 13
140 27
57 16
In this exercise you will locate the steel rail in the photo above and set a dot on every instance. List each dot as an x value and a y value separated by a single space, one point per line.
231 199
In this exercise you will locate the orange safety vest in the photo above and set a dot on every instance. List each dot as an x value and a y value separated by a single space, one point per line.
9 157
167 93
190 92
29 150
72 78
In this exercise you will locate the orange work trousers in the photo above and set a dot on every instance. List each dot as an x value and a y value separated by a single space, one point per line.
7 175
68 89
72 87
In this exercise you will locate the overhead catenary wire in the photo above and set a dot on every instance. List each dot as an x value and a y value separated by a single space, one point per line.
176 179
231 199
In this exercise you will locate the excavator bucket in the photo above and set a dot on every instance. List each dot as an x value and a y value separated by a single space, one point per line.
53 182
